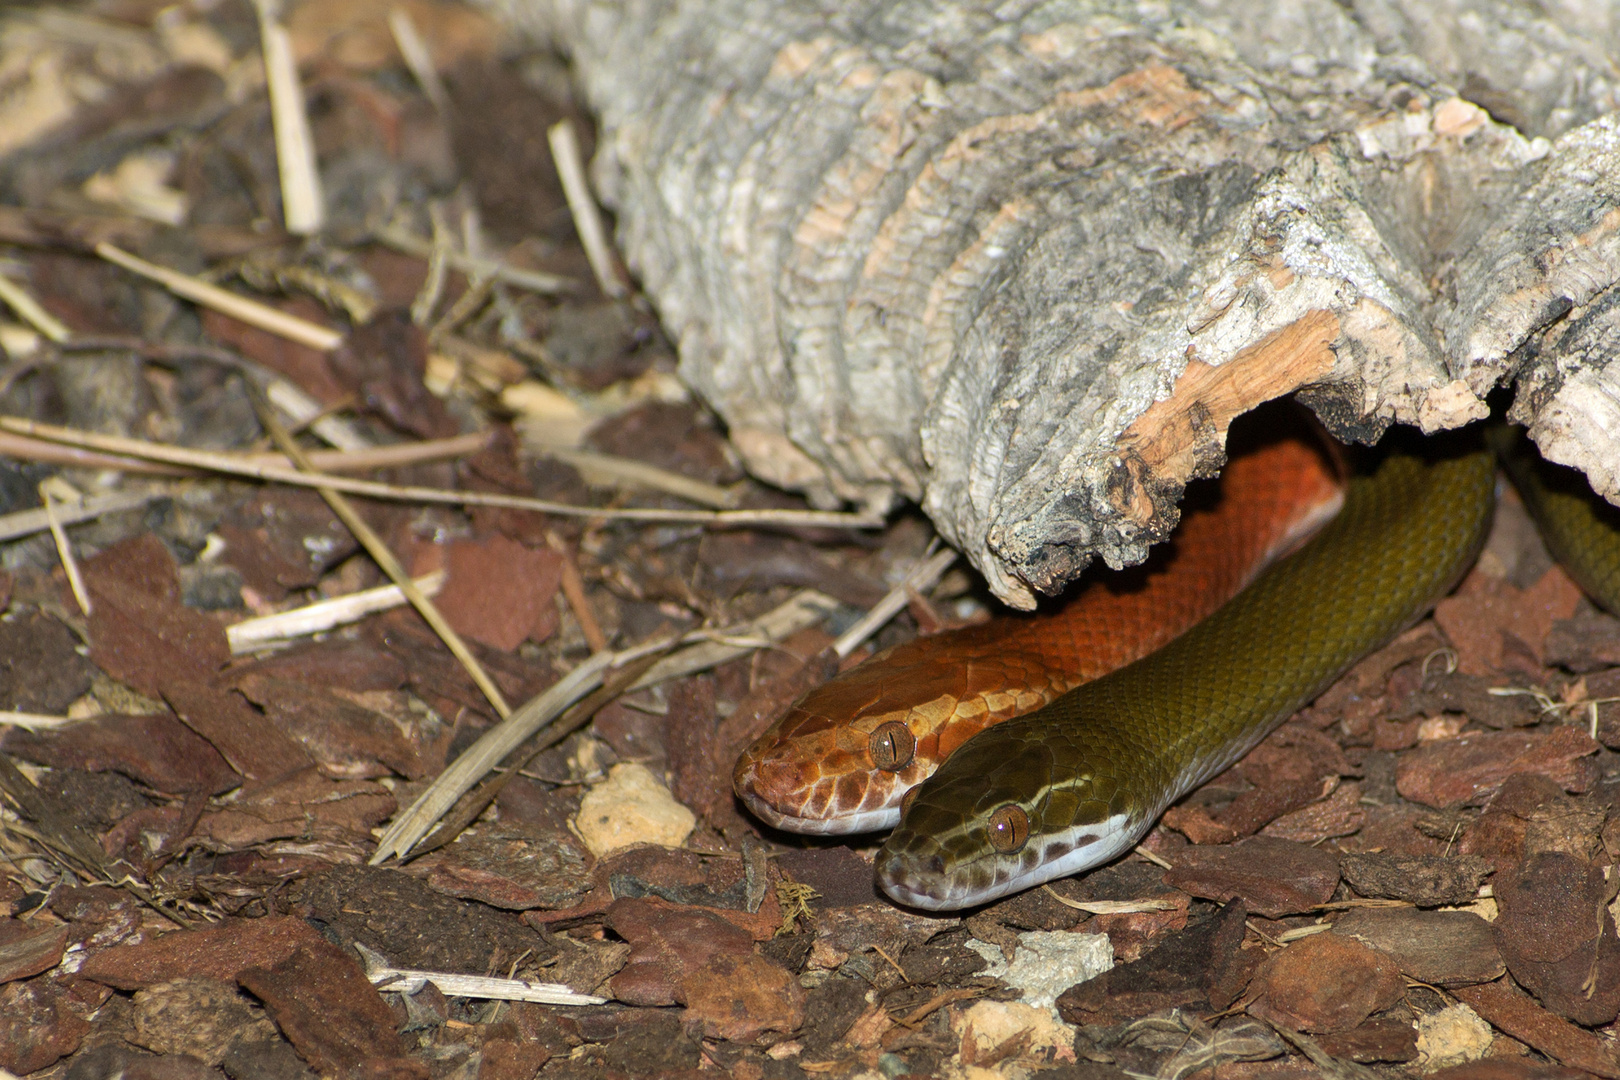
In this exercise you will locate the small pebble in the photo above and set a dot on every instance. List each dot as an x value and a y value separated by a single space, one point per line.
994 1022
1047 962
631 807
1452 1036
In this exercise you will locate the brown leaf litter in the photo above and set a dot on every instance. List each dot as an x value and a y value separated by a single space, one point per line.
1427 850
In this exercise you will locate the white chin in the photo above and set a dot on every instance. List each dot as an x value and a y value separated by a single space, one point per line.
848 825
1110 839
902 895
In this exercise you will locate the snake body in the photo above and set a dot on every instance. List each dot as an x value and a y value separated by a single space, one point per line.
1080 780
842 757
1581 531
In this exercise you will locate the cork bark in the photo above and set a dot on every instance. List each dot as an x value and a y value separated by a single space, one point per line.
1023 262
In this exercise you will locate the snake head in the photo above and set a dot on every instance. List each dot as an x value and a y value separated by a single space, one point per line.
845 753
1001 816
839 760
811 774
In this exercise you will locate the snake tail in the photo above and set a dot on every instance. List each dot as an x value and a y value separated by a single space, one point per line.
1076 783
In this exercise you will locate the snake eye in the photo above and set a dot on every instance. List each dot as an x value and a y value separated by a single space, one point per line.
1009 828
892 746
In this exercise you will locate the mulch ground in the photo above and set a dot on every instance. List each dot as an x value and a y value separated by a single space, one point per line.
1413 875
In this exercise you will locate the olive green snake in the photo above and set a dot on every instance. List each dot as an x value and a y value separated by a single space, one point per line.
1081 780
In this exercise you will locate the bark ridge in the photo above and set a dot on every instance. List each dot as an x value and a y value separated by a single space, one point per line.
1023 262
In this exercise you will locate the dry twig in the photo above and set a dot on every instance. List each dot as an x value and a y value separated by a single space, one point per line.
385 559
573 587
303 205
226 302
408 243
925 576
28 522
570 164
492 748
627 472
50 491
250 635
409 980
29 310
214 462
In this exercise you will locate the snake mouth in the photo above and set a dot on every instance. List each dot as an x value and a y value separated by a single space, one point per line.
926 884
763 790
916 881
848 825
787 795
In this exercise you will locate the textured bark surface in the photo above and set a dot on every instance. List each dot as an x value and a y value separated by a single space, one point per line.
1024 262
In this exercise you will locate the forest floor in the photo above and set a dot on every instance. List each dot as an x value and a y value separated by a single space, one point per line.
1412 876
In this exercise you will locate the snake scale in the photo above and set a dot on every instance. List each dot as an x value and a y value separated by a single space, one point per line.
843 755
1581 531
1077 782
1027 796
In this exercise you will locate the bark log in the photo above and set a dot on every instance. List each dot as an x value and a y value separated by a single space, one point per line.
1024 262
